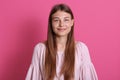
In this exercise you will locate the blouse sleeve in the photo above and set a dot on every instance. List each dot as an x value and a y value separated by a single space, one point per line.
87 70
34 72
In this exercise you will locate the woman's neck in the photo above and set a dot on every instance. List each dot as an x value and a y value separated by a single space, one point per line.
61 43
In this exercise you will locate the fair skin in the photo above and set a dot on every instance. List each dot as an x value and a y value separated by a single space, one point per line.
61 24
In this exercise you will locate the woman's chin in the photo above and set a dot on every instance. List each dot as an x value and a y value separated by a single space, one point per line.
61 35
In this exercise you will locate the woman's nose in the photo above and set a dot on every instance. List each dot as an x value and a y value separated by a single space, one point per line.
61 24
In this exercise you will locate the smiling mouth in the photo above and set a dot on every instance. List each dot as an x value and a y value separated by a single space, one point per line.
61 29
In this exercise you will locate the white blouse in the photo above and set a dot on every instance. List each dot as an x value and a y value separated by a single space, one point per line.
84 69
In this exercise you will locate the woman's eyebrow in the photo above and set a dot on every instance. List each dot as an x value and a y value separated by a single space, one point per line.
66 17
55 18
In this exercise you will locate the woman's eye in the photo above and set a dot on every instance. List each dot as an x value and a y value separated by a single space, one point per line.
55 20
66 20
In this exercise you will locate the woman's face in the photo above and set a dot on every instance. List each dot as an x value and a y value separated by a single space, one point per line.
62 23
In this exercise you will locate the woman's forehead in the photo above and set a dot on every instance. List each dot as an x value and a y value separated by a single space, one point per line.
62 14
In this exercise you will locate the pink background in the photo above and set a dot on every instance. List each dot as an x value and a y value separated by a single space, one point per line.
23 23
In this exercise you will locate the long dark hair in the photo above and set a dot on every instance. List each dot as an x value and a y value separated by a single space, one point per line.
51 48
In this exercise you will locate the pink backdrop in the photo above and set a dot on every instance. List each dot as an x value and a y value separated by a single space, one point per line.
23 23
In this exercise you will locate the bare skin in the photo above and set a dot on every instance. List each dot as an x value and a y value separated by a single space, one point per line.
61 24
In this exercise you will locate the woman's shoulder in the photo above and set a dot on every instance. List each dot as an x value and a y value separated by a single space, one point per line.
82 48
40 46
39 49
80 44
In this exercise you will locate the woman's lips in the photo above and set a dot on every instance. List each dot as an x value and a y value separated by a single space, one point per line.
61 29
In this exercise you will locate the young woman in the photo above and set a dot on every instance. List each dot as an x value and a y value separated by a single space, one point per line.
60 57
